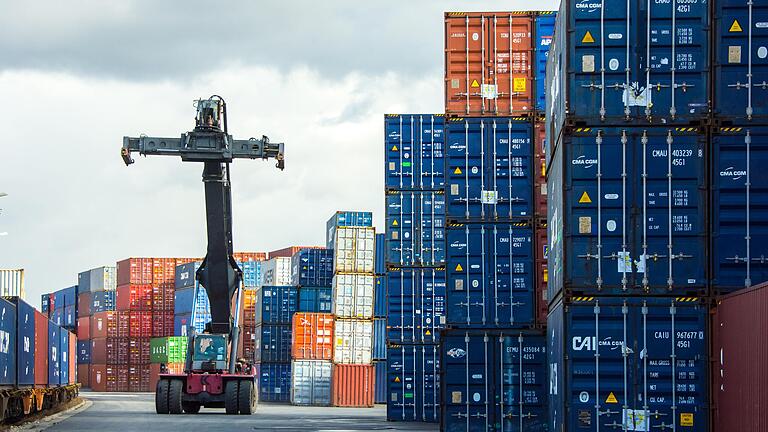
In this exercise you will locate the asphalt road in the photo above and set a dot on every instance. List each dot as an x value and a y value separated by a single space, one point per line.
135 412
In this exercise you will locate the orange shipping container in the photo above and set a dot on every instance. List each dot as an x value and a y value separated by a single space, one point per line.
312 336
249 256
83 328
72 360
488 63
41 349
290 251
352 385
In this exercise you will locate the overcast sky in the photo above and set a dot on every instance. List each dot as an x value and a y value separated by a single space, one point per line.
77 76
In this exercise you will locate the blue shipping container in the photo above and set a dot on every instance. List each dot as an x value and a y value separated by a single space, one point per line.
182 323
102 301
415 228
274 382
545 29
45 303
635 61
25 341
345 219
416 298
627 212
490 272
185 275
83 352
380 296
272 343
251 272
276 304
740 218
380 254
636 363
489 168
413 383
312 267
380 382
64 351
54 354
494 381
741 59
84 281
70 317
315 299
8 342
379 339
65 297
414 148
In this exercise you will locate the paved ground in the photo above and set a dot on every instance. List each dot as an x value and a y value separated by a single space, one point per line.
135 412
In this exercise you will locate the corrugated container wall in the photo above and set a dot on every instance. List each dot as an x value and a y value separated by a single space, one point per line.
353 341
25 342
413 383
311 382
354 250
276 271
353 385
740 361
291 251
379 266
312 267
345 219
8 344
12 283
274 382
545 29
415 228
416 305
353 295
414 150
489 63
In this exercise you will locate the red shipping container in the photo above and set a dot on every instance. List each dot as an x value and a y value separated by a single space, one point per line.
542 275
740 361
352 385
488 63
540 170
169 295
84 375
83 328
41 349
123 379
109 324
134 271
138 378
312 336
138 351
290 251
72 353
84 304
249 256
134 297
98 379
109 351
141 324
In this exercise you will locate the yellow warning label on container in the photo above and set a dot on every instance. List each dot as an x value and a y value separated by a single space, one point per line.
735 27
394 148
585 199
519 84
546 275
475 83
457 170
588 38
611 398
397 379
459 267
394 222
686 419
427 333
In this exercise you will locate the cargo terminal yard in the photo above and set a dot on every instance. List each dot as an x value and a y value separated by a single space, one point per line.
455 216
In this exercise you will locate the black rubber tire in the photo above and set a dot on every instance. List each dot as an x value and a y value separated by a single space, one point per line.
231 393
246 398
175 390
161 397
191 407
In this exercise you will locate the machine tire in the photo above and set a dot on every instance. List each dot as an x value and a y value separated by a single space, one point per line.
175 389
246 397
231 393
191 407
161 397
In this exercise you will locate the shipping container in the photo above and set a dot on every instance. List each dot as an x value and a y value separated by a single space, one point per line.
8 342
490 275
740 215
138 378
83 352
290 251
182 323
489 169
312 336
84 328
380 382
46 305
274 382
272 343
312 267
140 324
639 363
65 297
97 279
416 304
137 271
24 316
102 301
139 351
276 304
379 350
84 302
353 385
540 170
12 283
41 349
311 382
104 378
353 295
740 67
110 350
276 272
740 360
415 228
353 340
380 296
133 297
110 324
72 358
185 276
249 256
545 30
628 212
636 63
488 63
345 219
413 383
84 375
172 349
414 146
316 299
494 380
380 255
542 273
70 317
355 247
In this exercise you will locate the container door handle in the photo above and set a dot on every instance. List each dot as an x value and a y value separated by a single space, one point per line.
589 256
762 259
737 259
739 85
681 256
763 85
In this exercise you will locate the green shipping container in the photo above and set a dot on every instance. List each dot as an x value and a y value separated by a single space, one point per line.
172 349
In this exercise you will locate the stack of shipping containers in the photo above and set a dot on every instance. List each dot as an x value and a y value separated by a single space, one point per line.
62 307
493 354
96 289
415 262
629 150
312 327
380 321
352 237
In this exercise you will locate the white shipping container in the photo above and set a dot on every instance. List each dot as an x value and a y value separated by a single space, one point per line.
276 272
311 382
354 341
103 279
353 295
12 283
354 249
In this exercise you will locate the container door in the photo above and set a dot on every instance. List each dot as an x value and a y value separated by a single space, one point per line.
401 227
508 193
416 305
521 383
468 392
413 383
400 141
431 225
465 167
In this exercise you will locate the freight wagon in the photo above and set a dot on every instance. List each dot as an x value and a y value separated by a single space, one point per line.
39 359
